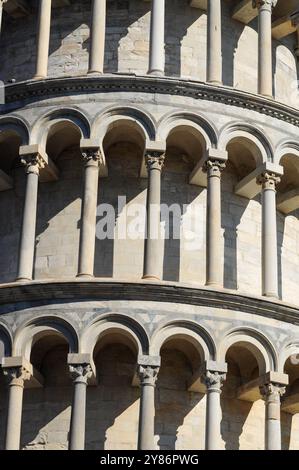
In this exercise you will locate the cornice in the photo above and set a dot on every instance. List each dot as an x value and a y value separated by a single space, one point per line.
23 93
18 296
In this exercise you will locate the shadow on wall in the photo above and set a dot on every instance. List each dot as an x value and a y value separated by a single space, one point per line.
111 416
175 190
56 223
178 18
176 407
230 40
286 430
46 411
123 167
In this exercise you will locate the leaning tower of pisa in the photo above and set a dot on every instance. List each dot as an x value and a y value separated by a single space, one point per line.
149 232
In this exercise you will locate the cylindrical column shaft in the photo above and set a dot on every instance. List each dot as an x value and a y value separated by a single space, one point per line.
214 52
27 240
213 271
146 433
213 382
43 39
265 72
271 394
151 270
80 374
16 377
89 210
157 38
97 36
269 235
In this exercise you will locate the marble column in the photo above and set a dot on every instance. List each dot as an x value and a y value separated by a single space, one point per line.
92 158
269 234
97 36
214 51
213 381
146 433
33 163
1 11
157 38
43 39
80 374
16 377
152 252
265 72
271 393
214 272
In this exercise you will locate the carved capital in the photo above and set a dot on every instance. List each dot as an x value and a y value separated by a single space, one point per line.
213 380
268 180
214 167
80 373
148 375
92 156
33 163
272 392
16 375
154 159
264 3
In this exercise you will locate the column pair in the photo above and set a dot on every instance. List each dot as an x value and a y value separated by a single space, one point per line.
265 73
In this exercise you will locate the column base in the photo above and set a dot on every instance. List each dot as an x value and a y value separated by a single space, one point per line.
216 285
95 72
156 73
148 277
23 279
215 82
40 77
86 276
271 295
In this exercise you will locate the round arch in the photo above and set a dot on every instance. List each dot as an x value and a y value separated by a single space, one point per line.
114 323
252 138
190 332
195 123
254 342
16 125
27 334
135 118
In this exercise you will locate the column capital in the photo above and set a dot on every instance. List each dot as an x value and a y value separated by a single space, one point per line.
214 167
268 180
271 392
154 159
148 374
264 3
213 380
92 156
80 373
16 375
34 158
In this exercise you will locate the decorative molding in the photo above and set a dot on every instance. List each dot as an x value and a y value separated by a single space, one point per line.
44 292
21 94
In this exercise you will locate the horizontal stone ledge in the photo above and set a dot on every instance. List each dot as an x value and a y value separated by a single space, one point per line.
21 93
19 295
250 391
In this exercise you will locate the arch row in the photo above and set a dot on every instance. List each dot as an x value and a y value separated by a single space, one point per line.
178 331
149 129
